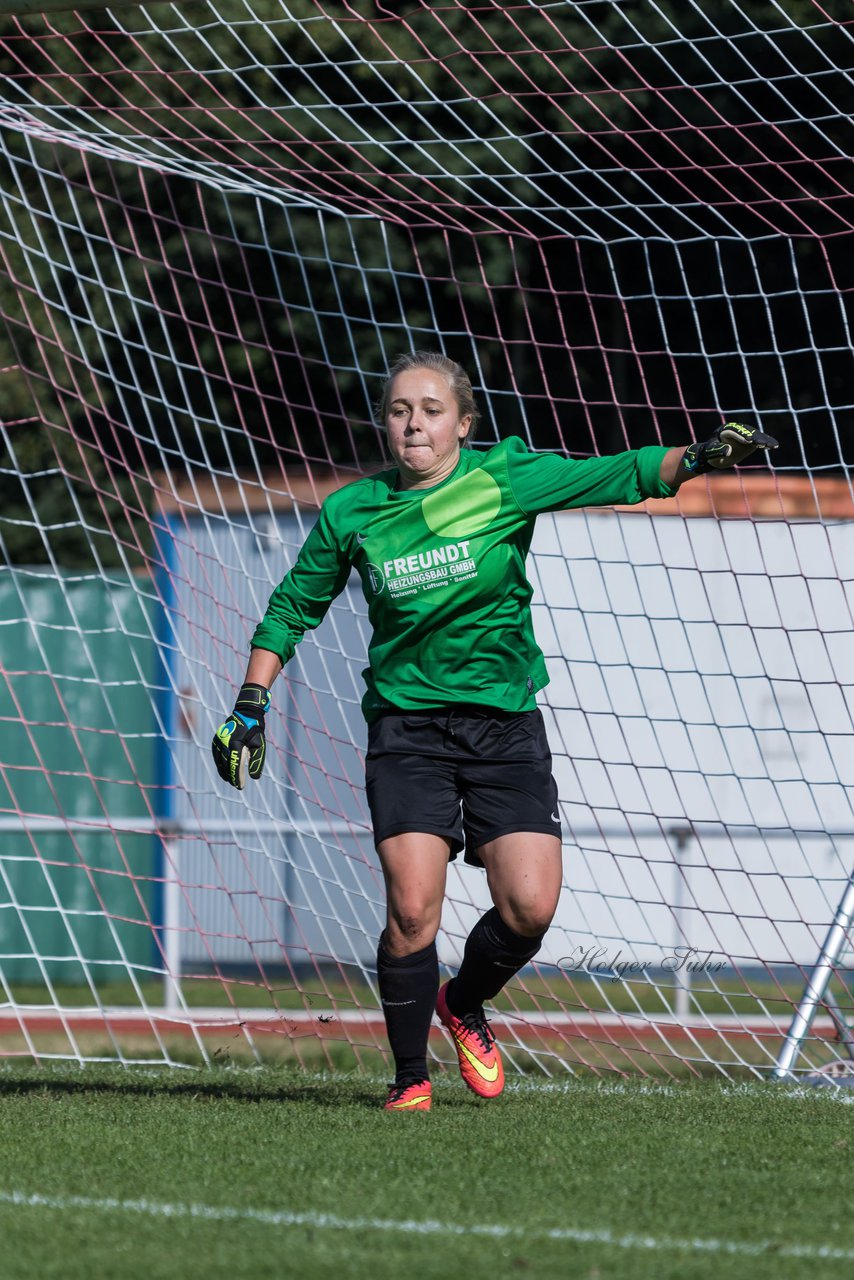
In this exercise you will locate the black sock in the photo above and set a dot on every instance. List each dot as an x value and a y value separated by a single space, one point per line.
493 954
408 989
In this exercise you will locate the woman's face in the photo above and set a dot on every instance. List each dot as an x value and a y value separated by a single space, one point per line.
424 427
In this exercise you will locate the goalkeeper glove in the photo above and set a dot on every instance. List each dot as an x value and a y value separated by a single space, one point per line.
727 447
239 746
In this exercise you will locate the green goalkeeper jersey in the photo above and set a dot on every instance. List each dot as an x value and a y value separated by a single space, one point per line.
443 572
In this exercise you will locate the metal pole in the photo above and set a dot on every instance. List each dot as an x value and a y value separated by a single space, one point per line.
164 907
172 997
682 993
817 985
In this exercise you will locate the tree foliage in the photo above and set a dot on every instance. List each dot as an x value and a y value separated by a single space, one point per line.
269 205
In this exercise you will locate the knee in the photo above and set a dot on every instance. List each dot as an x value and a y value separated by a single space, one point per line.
528 915
410 927
530 920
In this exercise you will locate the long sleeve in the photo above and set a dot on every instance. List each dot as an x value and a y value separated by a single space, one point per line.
301 600
549 482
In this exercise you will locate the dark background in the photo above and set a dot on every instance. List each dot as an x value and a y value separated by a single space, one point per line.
629 223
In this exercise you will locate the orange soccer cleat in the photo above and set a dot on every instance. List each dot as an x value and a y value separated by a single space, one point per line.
480 1061
415 1096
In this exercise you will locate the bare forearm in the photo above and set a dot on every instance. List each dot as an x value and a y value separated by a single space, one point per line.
264 666
672 471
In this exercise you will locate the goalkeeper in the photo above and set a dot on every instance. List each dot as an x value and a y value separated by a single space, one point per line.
457 758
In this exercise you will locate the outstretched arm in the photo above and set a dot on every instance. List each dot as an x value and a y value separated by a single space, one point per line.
727 447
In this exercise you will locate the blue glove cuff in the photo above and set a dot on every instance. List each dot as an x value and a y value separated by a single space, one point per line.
246 721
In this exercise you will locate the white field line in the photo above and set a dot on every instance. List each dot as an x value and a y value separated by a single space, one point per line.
426 1227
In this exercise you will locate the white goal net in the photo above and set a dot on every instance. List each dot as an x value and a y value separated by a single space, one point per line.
218 225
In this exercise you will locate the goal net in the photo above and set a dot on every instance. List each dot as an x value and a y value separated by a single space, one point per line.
219 224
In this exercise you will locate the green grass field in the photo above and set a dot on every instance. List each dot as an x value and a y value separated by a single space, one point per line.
237 1172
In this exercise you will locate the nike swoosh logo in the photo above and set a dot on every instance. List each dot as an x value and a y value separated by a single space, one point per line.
410 1102
490 1074
360 538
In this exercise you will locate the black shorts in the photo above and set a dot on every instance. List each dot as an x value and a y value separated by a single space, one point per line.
467 773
